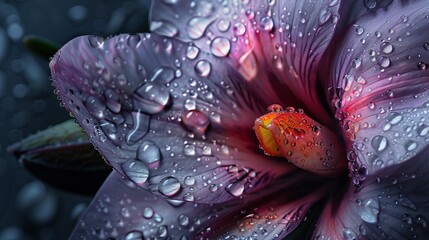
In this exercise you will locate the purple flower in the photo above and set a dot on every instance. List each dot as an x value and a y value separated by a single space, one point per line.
174 111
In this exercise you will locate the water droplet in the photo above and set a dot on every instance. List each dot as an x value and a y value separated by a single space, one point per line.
236 189
192 52
203 68
164 28
426 46
359 29
148 212
370 210
140 127
162 231
406 202
370 4
95 107
324 16
195 121
333 3
267 23
423 66
149 153
134 235
407 219
349 234
152 98
239 29
384 61
136 171
220 47
386 47
190 104
171 2
422 221
183 220
112 101
189 181
410 145
423 130
197 26
163 75
189 150
223 25
379 143
169 186
394 118
356 62
275 108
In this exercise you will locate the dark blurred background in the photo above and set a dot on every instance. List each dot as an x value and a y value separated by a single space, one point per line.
30 209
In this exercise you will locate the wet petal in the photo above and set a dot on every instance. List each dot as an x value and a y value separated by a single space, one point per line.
269 216
392 205
379 88
284 38
161 116
122 210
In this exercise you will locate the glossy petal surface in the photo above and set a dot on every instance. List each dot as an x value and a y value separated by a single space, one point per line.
380 88
392 205
168 120
285 39
122 210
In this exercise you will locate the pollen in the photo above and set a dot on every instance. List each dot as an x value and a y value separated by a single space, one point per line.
304 142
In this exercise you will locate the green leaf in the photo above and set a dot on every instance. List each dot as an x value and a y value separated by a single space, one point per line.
63 157
41 46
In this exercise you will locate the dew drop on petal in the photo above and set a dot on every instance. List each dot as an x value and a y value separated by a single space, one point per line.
134 235
136 171
169 186
394 118
356 62
384 61
324 16
197 26
423 130
386 47
267 23
192 52
223 25
349 234
162 231
189 181
239 29
220 47
203 68
410 145
379 143
236 189
149 153
148 212
183 220
189 150
195 121
406 202
370 210
370 4
152 98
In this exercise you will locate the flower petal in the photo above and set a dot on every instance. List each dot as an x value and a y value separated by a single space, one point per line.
380 90
392 205
284 38
177 123
122 210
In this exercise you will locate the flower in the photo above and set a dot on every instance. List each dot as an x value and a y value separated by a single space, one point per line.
173 112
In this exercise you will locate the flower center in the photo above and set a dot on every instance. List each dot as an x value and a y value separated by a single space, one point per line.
301 140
